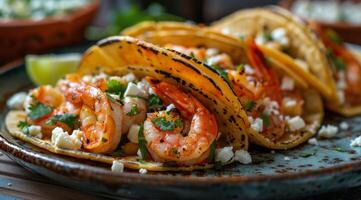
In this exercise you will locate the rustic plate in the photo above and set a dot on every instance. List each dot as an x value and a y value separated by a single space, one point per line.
307 170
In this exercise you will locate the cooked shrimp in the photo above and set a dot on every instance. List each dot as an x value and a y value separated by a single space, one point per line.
45 94
177 143
100 119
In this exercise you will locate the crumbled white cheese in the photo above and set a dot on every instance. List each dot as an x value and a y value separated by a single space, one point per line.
117 166
302 64
356 142
280 35
62 139
133 91
133 133
341 81
16 101
211 52
143 171
145 88
87 79
243 157
170 107
296 123
139 154
344 126
129 78
271 107
114 96
287 83
260 39
286 158
341 96
248 69
257 125
224 154
35 131
289 102
226 31
313 141
328 131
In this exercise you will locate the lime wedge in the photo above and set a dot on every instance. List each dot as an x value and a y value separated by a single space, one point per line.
48 69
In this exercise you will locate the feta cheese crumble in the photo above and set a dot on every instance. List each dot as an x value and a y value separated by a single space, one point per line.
133 133
287 83
170 107
243 157
257 124
139 154
328 131
16 101
35 131
356 142
344 126
224 154
143 171
313 141
296 123
133 91
117 166
62 139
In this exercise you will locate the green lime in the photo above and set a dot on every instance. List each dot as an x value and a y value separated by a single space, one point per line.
48 69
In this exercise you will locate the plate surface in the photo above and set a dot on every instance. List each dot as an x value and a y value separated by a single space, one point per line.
306 170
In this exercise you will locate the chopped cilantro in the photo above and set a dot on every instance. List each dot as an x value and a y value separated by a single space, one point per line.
192 55
104 140
336 61
24 126
175 151
333 36
133 111
266 119
222 73
249 105
38 110
69 119
240 67
241 37
154 102
163 124
212 152
115 87
268 36
142 142
178 123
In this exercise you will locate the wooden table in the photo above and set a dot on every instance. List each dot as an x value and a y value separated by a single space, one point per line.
18 183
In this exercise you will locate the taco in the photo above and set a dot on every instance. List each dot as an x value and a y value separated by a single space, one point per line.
290 40
283 112
138 104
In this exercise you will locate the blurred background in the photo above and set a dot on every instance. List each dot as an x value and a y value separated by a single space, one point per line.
40 26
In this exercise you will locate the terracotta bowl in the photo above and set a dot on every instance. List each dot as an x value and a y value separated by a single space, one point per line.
349 32
20 37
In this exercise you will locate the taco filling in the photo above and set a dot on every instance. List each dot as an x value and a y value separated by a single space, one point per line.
273 103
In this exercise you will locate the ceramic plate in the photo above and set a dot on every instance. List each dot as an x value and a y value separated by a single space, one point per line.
306 170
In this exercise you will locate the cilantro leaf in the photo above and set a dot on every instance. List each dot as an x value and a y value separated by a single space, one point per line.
268 36
115 87
178 123
266 120
154 102
69 119
212 152
133 111
24 126
249 105
142 142
333 36
38 110
222 73
336 61
240 67
163 124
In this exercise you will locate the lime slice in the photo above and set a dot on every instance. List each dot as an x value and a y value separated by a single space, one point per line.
48 69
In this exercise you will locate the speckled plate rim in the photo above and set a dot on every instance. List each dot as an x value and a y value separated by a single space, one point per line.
87 172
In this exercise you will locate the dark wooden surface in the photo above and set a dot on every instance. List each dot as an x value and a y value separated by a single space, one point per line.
18 183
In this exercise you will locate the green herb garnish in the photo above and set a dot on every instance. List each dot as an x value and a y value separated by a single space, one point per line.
71 120
178 123
154 102
268 36
222 73
240 67
163 124
336 61
142 142
266 119
133 111
249 105
175 151
38 110
212 152
24 126
333 36
192 55
115 87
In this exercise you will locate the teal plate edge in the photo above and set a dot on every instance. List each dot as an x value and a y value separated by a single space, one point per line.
308 170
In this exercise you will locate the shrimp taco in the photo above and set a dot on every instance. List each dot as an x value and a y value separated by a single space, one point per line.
289 40
136 104
283 112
